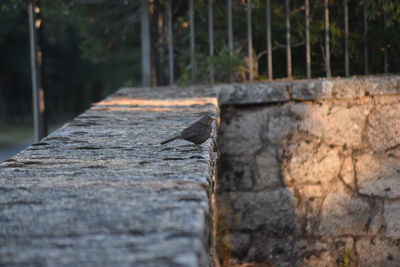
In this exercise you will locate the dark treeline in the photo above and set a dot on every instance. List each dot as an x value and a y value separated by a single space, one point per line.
93 47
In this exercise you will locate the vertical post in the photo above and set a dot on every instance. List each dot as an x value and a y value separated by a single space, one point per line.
366 67
230 33
250 41
327 49
192 41
269 41
211 37
170 44
159 15
38 92
308 45
288 42
230 27
145 43
346 38
385 49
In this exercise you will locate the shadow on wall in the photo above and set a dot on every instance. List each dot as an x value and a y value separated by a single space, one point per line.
310 183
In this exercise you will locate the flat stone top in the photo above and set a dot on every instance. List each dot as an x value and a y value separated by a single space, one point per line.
292 90
102 191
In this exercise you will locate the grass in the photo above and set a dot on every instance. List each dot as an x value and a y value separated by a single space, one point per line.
13 135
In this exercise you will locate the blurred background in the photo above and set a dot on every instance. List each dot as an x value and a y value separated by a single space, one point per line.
93 47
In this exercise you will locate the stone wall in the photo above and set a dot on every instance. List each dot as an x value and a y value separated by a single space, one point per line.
311 178
102 191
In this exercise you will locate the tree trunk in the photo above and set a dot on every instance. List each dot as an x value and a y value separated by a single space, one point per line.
211 37
250 41
366 67
192 41
269 41
346 38
170 44
145 43
327 49
308 44
288 42
38 89
385 48
230 34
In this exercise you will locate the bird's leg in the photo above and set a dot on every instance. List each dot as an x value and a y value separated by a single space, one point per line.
198 148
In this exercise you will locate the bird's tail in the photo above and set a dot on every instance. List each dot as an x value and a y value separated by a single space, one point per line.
170 139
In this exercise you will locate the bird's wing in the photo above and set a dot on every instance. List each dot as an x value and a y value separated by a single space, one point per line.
192 130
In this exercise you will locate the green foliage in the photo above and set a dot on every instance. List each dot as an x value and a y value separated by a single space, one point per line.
347 257
226 65
97 45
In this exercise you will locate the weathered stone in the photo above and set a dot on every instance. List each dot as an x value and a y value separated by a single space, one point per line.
310 161
382 85
379 251
343 213
269 169
235 243
102 191
291 251
254 93
269 212
239 174
392 219
280 125
244 133
346 88
378 174
310 90
383 129
347 173
336 124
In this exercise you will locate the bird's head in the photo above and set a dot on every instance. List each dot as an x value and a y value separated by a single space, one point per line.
206 119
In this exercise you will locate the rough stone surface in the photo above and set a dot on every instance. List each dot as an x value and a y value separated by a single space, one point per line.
316 89
313 182
270 212
392 219
309 161
254 93
307 177
384 127
336 124
378 252
378 174
102 191
343 213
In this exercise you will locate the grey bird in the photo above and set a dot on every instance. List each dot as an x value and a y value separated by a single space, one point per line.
197 133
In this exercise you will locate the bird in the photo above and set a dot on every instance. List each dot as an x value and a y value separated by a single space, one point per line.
197 133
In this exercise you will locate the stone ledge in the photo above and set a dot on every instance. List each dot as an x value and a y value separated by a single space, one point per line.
283 91
102 191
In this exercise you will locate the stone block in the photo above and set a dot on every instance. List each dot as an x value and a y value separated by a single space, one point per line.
239 174
268 212
280 125
382 85
269 169
249 93
347 173
392 219
373 252
378 174
309 161
343 213
244 133
383 128
310 90
336 124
